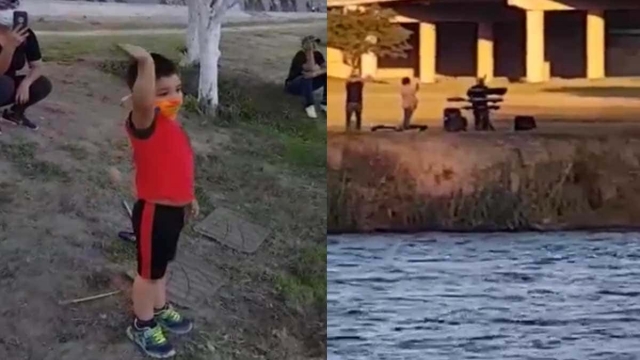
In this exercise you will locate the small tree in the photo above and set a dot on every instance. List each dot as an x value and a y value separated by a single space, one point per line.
366 30
202 47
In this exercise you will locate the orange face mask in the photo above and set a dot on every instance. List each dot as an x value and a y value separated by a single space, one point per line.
169 108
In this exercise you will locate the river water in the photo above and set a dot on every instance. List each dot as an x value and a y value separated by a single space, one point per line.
484 296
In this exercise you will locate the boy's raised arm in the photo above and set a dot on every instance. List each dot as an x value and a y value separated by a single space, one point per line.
143 93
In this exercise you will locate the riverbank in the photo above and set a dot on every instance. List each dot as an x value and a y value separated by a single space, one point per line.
572 101
483 182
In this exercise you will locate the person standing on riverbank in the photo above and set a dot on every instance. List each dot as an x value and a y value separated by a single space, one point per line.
408 93
354 88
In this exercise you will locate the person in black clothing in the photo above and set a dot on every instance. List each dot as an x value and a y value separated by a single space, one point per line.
19 47
308 73
478 96
354 87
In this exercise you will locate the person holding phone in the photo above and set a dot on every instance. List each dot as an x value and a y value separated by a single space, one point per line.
308 73
18 48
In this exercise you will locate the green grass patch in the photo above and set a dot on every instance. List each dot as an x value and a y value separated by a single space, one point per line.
305 282
266 106
118 251
23 156
67 49
305 153
206 206
76 151
264 110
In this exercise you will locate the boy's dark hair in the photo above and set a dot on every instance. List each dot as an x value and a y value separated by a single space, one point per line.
164 67
406 81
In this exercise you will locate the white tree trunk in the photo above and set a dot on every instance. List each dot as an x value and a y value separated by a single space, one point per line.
209 57
193 46
209 14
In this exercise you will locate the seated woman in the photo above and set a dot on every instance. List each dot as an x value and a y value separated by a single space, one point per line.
308 73
19 47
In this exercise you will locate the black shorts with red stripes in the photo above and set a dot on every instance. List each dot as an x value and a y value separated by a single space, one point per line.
157 228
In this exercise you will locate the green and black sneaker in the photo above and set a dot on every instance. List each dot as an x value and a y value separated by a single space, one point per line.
172 321
151 341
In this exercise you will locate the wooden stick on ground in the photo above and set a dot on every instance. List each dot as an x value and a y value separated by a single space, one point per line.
89 298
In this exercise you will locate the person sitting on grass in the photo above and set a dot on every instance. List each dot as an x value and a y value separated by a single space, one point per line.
308 73
19 47
166 195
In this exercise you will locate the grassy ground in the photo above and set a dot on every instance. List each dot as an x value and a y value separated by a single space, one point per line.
561 103
260 157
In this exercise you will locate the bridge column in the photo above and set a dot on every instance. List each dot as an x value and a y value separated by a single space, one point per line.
485 63
428 55
595 44
536 67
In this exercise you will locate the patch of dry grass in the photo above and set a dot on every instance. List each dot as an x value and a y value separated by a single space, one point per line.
22 155
372 192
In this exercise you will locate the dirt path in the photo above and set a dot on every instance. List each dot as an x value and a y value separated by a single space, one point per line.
231 28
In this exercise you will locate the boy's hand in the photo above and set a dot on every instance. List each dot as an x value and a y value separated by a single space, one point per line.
115 175
135 51
193 210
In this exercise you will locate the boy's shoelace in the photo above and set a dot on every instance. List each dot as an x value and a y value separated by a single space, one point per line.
156 336
171 315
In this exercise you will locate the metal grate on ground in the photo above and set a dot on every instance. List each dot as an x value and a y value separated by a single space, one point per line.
230 229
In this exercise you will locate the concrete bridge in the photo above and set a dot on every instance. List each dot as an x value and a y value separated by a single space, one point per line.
530 39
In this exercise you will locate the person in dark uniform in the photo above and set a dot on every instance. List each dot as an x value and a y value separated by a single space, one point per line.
478 96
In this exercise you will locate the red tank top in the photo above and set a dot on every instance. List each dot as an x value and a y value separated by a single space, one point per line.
164 162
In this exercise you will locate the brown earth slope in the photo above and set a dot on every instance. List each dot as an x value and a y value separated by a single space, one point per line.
59 214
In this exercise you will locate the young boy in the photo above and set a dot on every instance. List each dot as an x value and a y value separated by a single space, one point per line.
409 97
354 87
164 168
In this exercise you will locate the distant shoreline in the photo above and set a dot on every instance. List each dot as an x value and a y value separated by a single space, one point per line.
533 230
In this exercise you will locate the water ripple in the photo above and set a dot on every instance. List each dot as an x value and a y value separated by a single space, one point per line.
484 296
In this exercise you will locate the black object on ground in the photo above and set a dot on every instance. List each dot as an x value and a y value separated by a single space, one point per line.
127 236
420 128
454 121
524 123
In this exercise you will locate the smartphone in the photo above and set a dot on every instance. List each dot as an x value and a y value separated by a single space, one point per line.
20 18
